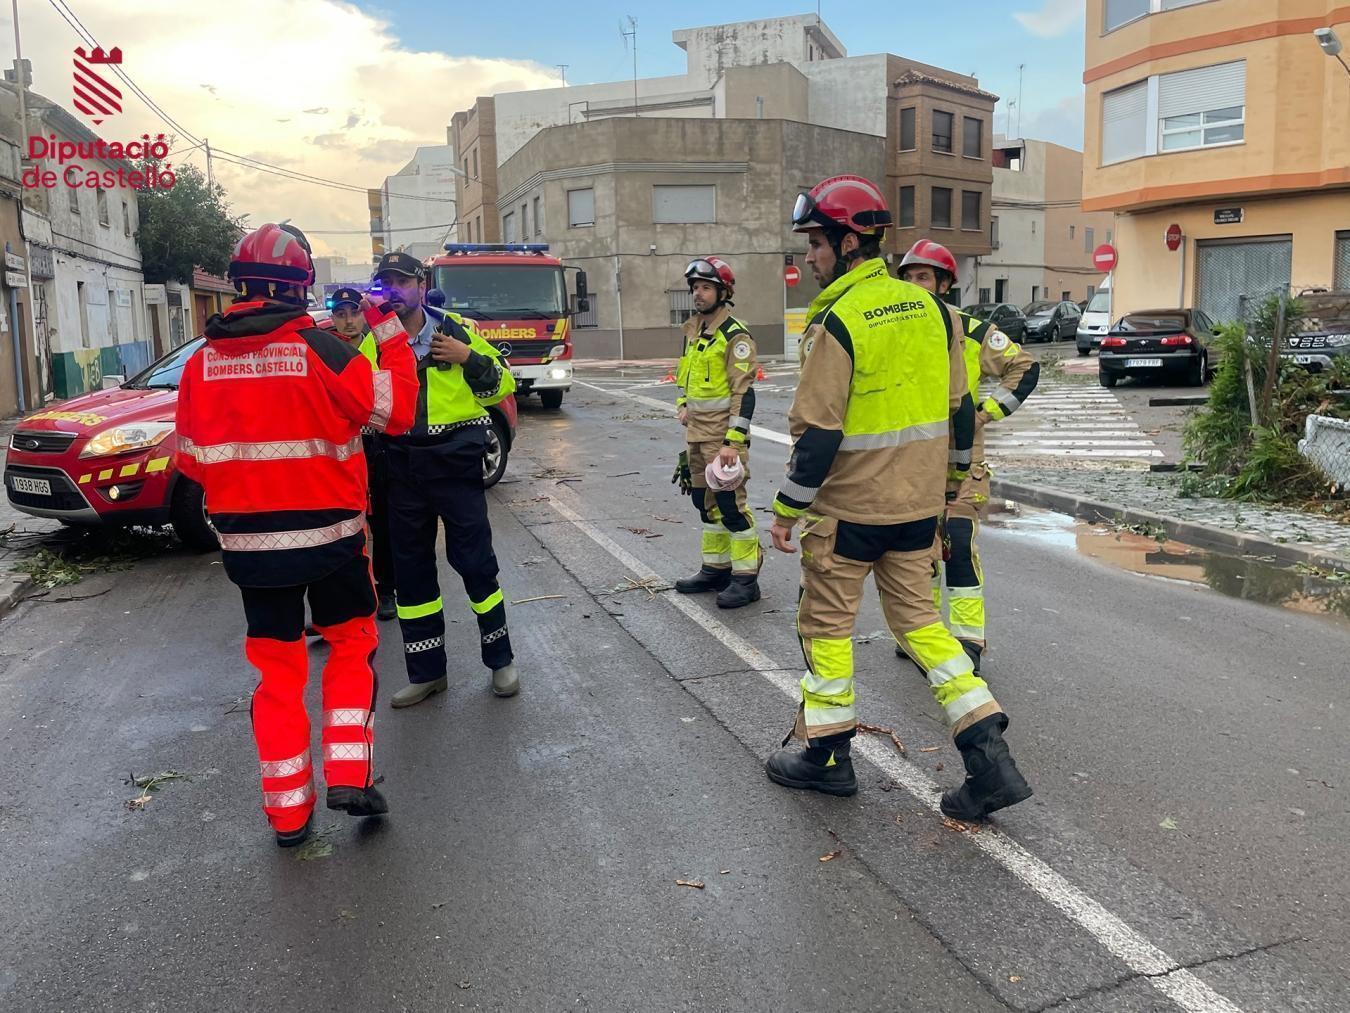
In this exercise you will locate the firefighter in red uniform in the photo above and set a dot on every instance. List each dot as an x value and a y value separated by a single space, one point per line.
269 422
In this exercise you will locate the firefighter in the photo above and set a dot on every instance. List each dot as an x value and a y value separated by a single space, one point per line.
436 477
989 353
269 422
350 324
716 376
883 384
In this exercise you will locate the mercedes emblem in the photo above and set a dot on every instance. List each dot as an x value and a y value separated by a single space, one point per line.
505 348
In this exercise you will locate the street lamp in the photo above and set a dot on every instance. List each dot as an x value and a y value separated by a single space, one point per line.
1331 45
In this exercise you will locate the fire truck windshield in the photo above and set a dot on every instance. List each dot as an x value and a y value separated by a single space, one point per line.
503 291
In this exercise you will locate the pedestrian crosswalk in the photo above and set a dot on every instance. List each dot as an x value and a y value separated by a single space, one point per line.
1063 419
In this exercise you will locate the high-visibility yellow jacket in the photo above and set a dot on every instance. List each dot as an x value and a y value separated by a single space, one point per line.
716 377
990 354
883 386
454 395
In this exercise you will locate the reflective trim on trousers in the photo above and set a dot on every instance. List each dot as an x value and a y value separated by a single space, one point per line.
817 717
287 767
280 450
291 798
968 701
966 592
745 550
383 382
949 669
895 437
418 646
967 632
306 538
487 604
339 751
700 404
821 686
420 611
800 493
346 717
494 636
716 545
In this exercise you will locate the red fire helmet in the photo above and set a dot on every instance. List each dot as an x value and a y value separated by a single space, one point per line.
277 253
848 202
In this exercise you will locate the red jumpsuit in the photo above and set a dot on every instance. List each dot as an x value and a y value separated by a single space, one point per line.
269 422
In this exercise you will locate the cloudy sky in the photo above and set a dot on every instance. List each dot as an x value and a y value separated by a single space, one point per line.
347 91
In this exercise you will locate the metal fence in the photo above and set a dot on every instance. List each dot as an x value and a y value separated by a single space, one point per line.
591 317
1227 273
681 305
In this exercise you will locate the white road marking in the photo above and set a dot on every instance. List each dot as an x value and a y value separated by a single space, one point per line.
1140 955
759 432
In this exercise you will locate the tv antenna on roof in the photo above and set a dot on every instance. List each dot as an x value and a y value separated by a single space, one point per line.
626 34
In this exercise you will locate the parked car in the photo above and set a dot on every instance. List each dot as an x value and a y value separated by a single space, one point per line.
1321 336
1003 315
106 458
1051 321
1159 344
1096 319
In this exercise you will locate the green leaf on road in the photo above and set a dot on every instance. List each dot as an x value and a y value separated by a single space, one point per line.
1168 823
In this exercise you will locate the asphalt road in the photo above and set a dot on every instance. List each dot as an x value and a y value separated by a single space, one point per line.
1184 850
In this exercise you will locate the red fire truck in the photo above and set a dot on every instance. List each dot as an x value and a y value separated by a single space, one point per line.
517 295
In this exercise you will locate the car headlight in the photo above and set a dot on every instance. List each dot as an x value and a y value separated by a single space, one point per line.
122 439
1337 340
558 374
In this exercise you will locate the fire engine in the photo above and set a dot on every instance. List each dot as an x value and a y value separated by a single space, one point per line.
517 296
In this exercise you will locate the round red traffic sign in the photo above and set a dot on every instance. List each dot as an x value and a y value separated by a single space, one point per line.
791 275
1104 257
1173 236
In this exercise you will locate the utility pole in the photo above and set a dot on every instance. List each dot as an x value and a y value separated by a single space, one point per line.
210 176
562 71
631 33
1020 68
20 79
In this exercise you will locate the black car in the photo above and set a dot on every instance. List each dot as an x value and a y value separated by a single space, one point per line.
1003 315
1051 321
1159 344
1321 337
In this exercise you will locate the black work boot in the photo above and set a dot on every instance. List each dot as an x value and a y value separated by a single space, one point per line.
993 781
707 579
387 608
819 768
743 589
973 652
357 801
291 838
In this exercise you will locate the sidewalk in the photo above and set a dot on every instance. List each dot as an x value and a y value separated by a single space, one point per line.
20 536
1141 497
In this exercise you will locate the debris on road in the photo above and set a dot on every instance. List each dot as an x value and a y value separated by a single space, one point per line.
318 845
929 749
959 827
1168 823
652 585
831 856
542 597
881 730
644 532
150 784
696 884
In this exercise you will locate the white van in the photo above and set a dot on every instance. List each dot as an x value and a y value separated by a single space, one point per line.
1096 319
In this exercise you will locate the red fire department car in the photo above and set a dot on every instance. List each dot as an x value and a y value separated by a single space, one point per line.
107 457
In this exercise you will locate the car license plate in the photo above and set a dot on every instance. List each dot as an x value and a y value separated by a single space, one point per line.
33 486
1142 363
1303 360
517 374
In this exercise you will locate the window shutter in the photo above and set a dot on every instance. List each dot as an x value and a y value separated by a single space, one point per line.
1124 123
1194 91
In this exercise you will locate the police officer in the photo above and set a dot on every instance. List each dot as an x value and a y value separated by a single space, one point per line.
883 385
716 376
349 323
436 477
989 354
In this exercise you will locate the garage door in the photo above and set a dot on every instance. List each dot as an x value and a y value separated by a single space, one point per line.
1226 270
1343 261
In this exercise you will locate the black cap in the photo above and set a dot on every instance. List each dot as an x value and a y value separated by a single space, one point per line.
344 295
400 263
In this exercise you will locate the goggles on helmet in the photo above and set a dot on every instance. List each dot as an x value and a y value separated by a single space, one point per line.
702 269
804 210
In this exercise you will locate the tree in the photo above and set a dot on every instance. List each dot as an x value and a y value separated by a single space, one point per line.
185 226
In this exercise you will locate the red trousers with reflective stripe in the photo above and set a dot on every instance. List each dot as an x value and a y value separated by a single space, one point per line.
343 608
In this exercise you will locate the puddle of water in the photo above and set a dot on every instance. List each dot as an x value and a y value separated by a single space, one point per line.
1245 577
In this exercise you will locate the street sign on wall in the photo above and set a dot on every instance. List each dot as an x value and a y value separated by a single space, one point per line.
1172 237
1228 216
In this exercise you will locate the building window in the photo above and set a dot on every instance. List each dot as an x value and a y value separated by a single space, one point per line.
524 222
580 208
539 216
1088 244
1342 283
972 138
1071 230
1201 107
1108 236
1122 12
126 218
681 305
475 163
101 196
970 210
1035 292
986 295
478 227
907 141
1124 123
466 169
941 214
684 205
942 131
509 227
906 207
73 199
993 231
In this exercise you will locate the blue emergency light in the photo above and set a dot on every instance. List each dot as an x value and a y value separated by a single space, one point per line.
496 247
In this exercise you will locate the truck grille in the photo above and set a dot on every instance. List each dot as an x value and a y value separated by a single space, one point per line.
41 441
525 349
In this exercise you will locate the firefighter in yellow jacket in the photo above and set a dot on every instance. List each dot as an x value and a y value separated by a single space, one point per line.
883 386
716 376
990 354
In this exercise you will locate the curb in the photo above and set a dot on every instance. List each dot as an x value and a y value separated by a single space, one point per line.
13 589
1201 535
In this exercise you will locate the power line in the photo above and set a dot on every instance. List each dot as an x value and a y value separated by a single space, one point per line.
366 232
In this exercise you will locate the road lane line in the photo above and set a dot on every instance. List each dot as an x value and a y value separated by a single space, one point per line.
756 431
1162 971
